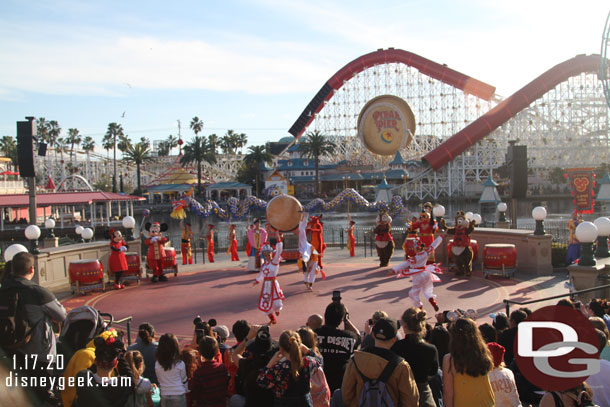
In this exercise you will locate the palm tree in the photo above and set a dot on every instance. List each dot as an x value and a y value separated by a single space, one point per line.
255 159
225 145
114 130
242 140
8 148
163 149
88 145
124 142
74 138
171 142
54 132
197 151
214 142
314 146
137 155
232 140
196 125
145 141
42 129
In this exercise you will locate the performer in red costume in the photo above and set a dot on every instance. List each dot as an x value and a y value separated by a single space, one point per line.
232 237
156 253
351 239
187 251
210 239
315 230
427 227
117 263
271 296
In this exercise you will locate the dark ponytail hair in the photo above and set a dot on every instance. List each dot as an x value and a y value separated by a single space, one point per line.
146 332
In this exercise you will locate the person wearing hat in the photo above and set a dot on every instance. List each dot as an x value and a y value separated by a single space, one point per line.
371 363
270 299
210 239
156 254
423 275
502 379
427 226
222 334
256 239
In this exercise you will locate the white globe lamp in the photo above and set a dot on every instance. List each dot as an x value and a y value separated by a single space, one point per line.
502 207
87 234
539 214
50 224
32 233
469 215
586 233
129 223
603 231
12 250
79 231
477 219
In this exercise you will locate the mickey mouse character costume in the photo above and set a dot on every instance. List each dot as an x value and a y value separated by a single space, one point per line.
117 263
156 253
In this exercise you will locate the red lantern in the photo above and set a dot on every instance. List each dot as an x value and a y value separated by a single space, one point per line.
180 142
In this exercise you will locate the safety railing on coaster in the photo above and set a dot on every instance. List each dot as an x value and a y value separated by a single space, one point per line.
571 295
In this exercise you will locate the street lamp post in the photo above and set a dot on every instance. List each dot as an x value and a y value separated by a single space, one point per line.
438 211
586 232
87 234
603 229
32 233
129 223
50 224
539 214
502 207
79 232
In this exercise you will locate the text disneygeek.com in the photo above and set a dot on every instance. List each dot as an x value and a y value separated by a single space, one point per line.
15 380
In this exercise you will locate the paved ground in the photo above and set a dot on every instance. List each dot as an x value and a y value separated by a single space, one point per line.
223 291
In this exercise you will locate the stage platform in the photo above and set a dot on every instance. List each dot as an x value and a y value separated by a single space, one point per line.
223 290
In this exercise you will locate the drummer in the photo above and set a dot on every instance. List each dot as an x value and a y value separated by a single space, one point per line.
256 238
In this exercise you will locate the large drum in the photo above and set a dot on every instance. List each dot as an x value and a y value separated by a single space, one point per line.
474 245
133 267
86 275
169 261
410 246
499 258
284 213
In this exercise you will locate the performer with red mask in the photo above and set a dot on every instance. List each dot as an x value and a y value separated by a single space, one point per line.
117 263
156 253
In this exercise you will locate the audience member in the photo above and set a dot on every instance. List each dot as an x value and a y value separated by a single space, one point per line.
231 358
320 392
502 379
598 323
369 339
564 302
500 323
192 360
599 381
171 372
488 332
372 363
466 368
507 338
222 334
211 379
289 371
600 308
314 321
439 337
41 309
147 346
568 398
143 388
104 387
421 356
258 352
337 345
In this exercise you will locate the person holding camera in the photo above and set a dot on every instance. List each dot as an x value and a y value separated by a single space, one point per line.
337 345
368 339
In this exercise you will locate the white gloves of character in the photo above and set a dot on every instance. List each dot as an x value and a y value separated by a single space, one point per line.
123 249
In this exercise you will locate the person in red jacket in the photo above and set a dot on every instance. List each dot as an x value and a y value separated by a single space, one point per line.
117 263
210 238
315 229
233 240
156 253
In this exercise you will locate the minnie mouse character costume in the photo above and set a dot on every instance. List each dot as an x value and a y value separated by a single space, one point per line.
156 253
117 263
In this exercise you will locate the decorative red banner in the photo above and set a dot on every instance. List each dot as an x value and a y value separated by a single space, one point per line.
582 185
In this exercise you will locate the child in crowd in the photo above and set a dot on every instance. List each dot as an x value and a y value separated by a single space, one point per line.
502 379
142 396
320 392
192 361
171 372
211 380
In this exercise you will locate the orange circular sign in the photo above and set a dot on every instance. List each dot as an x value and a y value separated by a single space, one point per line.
386 124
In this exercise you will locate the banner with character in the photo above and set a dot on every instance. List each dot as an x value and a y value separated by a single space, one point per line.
582 186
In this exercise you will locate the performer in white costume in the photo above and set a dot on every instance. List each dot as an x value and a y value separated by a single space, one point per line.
423 276
270 299
309 255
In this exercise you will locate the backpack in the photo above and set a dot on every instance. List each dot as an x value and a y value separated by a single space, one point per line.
320 392
15 329
375 392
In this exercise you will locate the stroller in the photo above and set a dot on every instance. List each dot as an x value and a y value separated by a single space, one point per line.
82 324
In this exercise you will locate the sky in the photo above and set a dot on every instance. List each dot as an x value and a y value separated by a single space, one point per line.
252 66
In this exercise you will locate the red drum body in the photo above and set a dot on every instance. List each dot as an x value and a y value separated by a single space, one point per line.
86 272
474 245
499 258
86 275
133 267
169 262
